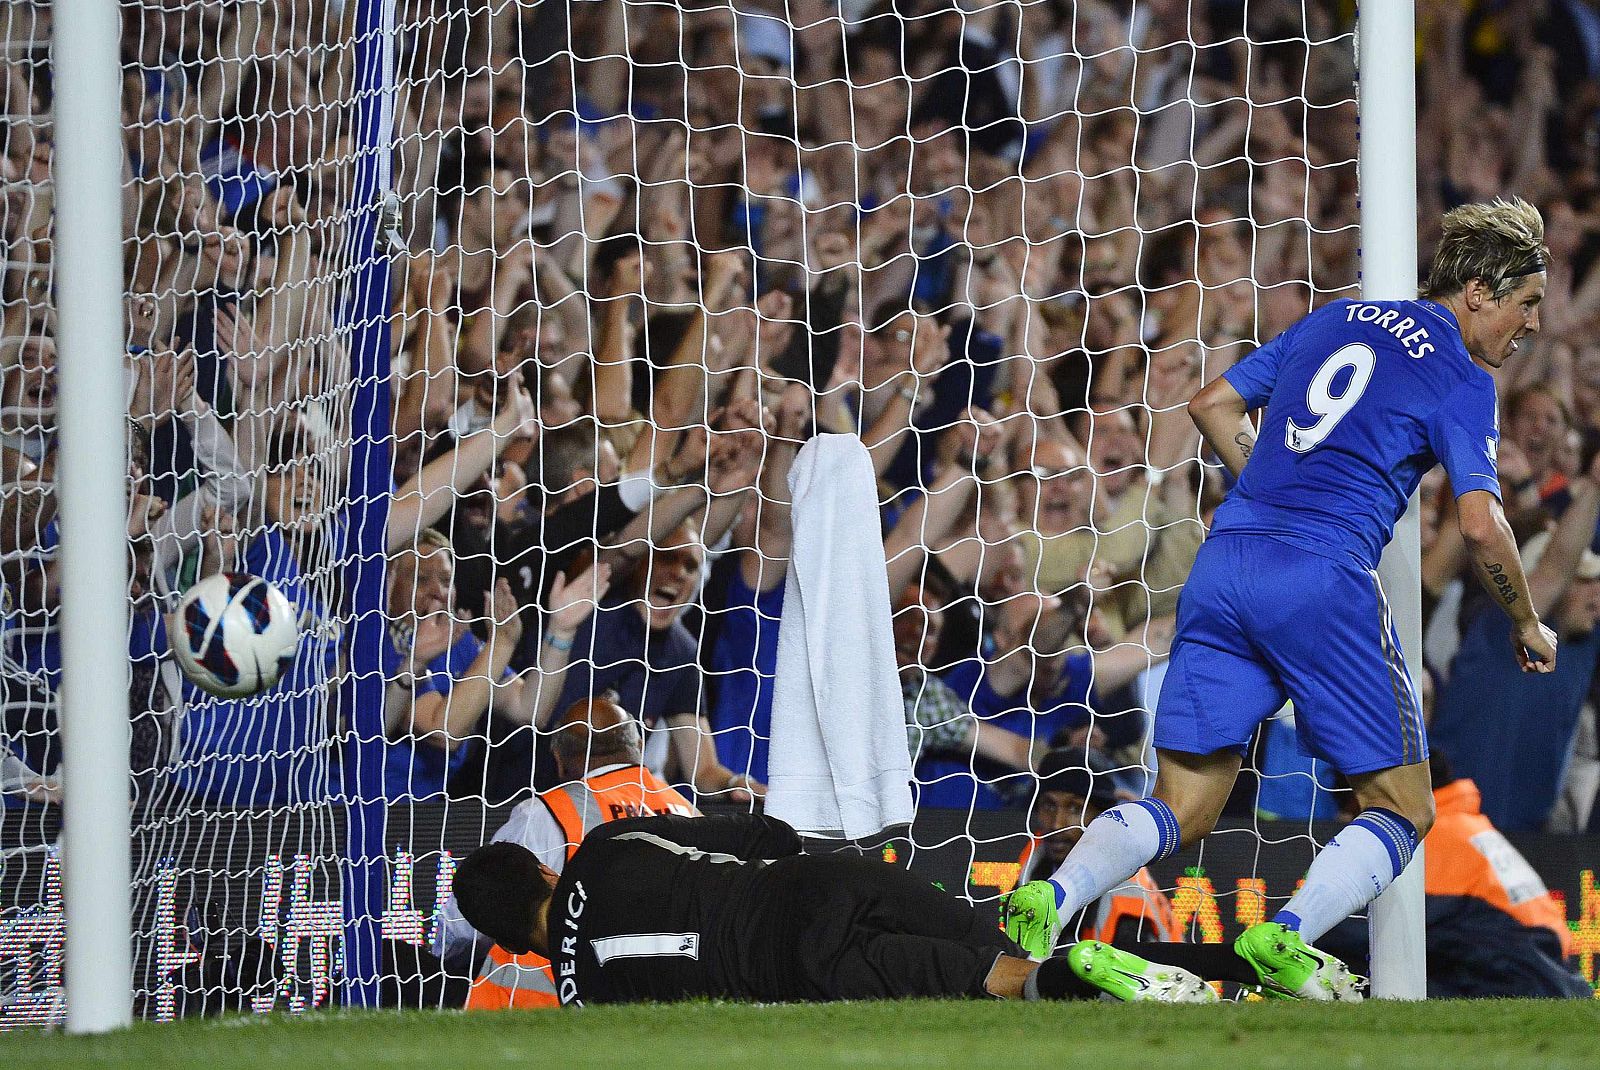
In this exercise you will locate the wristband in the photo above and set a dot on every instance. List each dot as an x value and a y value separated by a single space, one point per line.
909 393
557 643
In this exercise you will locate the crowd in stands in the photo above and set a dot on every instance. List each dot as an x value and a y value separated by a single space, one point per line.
645 251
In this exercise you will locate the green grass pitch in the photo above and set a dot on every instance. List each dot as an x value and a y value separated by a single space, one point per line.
1374 1036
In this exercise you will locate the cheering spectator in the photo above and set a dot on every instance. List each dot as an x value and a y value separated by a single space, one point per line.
637 647
1514 737
448 678
1536 430
1032 684
937 719
1097 521
1029 685
744 654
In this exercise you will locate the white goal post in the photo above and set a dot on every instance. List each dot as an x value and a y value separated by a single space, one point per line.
1386 50
92 488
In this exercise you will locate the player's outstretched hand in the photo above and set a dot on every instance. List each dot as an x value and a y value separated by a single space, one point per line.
1535 647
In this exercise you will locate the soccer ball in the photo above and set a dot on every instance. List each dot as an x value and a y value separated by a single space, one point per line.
234 634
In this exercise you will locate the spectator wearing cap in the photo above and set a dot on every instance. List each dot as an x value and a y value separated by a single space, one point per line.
1075 787
1512 733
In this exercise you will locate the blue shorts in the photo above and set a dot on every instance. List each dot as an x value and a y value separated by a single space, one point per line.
1261 621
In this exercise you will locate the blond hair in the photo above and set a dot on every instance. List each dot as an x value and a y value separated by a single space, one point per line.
1499 242
429 539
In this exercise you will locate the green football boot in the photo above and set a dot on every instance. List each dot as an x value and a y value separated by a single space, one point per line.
1288 966
1131 979
1029 916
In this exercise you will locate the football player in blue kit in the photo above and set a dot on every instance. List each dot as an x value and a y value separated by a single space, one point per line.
1360 400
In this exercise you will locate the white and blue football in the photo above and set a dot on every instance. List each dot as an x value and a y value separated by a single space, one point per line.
234 634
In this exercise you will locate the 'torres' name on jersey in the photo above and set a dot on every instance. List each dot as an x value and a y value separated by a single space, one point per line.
1410 333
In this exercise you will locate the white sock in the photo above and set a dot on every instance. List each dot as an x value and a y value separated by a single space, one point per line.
1112 849
1357 865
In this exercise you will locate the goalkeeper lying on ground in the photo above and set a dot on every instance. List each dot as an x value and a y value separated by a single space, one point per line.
670 908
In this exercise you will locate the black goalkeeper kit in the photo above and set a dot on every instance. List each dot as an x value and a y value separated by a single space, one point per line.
727 907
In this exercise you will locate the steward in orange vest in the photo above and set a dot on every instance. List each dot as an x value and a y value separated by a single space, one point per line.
598 752
1494 931
1074 789
1466 855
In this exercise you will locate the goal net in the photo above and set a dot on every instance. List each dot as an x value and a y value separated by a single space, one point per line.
594 271
243 274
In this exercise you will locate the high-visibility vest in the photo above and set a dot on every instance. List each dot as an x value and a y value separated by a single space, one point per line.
1467 855
632 791
508 982
524 982
1140 899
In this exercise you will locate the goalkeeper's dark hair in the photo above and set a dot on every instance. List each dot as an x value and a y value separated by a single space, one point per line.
500 889
1500 242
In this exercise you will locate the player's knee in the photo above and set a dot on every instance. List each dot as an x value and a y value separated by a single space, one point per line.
1406 792
1195 820
1420 813
1195 826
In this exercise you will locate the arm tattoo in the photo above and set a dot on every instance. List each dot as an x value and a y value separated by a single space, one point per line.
1502 582
1245 443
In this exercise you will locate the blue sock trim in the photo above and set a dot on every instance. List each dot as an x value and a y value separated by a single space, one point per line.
1166 825
1397 834
1288 919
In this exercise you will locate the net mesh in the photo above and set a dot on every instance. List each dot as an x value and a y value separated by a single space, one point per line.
640 252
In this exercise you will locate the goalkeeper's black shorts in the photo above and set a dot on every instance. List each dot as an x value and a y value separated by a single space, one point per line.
846 927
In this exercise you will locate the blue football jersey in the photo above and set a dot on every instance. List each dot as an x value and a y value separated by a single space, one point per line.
1362 398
